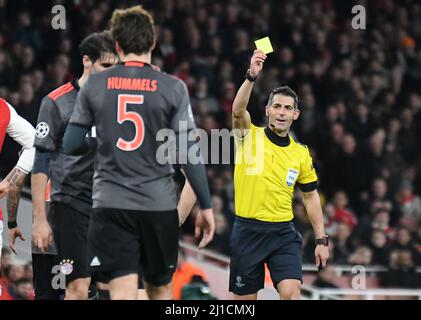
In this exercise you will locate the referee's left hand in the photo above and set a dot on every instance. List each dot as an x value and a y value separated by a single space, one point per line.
322 255
205 223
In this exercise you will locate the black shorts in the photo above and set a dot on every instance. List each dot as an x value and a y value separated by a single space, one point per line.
106 277
71 239
42 265
122 242
254 243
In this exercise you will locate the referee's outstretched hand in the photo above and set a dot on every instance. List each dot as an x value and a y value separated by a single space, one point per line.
205 223
256 62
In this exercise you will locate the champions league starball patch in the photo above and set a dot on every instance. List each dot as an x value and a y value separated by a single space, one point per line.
42 130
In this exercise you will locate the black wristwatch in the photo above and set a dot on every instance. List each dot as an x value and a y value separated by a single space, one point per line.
249 77
12 224
324 241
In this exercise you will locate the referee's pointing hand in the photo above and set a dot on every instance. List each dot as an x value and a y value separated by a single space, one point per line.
205 223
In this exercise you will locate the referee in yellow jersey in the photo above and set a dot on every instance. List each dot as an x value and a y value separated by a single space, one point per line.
269 163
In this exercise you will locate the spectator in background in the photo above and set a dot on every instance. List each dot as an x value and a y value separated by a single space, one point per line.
404 241
380 220
342 212
23 290
361 256
410 205
379 247
379 200
401 273
326 278
343 247
350 169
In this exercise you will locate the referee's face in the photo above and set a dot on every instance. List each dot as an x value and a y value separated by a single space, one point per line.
281 114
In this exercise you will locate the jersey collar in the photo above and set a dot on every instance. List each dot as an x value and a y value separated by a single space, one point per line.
274 138
75 84
139 64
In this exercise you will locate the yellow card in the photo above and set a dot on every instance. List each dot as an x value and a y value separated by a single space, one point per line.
264 45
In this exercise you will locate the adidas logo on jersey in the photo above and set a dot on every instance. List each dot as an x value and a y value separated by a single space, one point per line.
95 262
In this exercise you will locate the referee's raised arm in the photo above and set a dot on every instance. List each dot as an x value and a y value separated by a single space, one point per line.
240 115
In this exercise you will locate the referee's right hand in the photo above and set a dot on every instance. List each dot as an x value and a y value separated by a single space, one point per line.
205 223
42 236
256 62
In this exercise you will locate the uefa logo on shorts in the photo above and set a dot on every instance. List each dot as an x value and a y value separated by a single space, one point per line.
66 267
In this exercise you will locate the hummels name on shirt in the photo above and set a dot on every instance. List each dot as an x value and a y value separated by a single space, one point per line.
138 84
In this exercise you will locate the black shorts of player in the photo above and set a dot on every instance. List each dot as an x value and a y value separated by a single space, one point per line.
71 238
254 243
105 277
123 241
42 265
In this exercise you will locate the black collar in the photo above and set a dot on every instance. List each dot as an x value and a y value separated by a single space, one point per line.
274 138
75 84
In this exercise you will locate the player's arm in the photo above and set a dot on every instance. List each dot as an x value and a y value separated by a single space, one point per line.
315 214
240 115
182 123
80 123
311 202
41 229
307 182
49 129
186 202
16 180
23 133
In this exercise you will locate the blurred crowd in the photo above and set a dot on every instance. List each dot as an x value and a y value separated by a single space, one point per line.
359 91
16 278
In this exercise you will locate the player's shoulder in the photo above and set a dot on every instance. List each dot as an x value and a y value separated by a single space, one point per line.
4 106
61 92
171 80
7 110
299 145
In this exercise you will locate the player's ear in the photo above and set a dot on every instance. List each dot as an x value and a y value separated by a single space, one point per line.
118 49
86 61
296 114
267 113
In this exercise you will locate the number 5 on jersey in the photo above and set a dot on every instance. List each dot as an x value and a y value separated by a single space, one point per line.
123 115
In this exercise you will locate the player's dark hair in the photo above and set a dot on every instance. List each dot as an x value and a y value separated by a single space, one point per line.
285 91
133 29
96 45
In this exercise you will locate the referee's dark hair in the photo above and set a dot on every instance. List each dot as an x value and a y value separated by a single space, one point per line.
285 91
134 30
96 45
